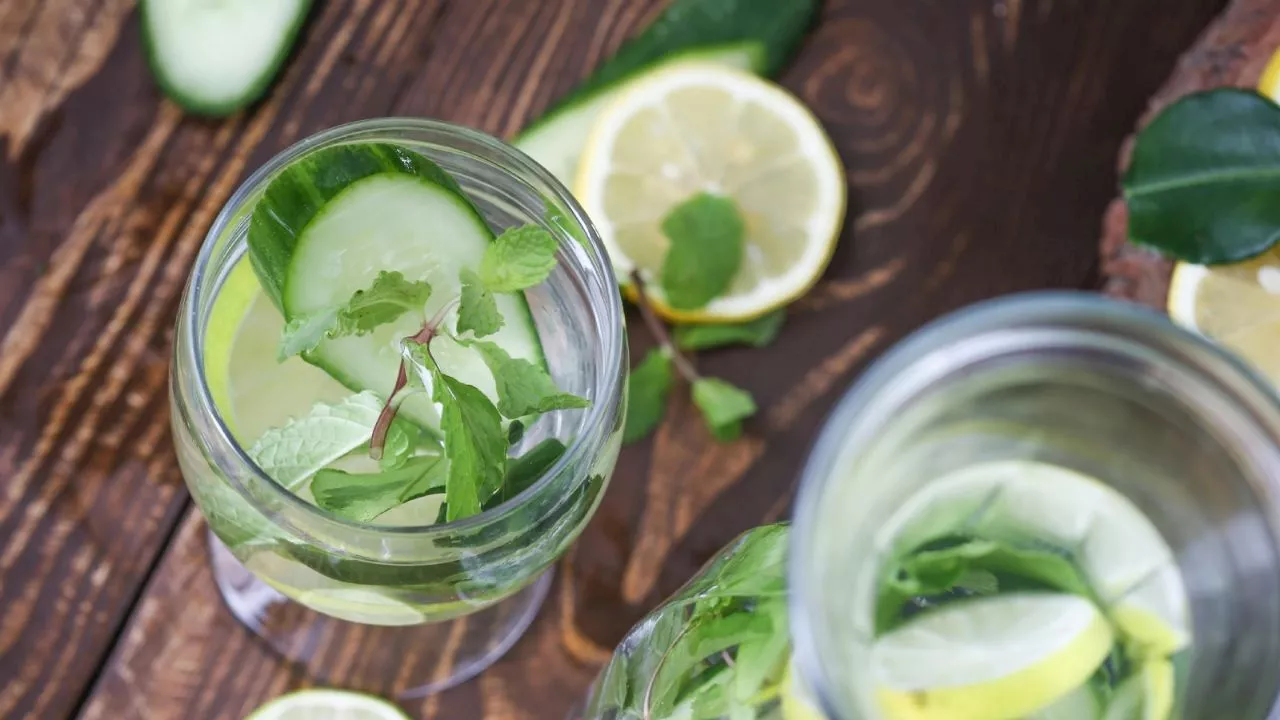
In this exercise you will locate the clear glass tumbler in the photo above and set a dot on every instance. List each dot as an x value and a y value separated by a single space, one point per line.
1179 427
408 610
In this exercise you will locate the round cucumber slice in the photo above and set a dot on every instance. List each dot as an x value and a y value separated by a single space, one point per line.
213 58
332 220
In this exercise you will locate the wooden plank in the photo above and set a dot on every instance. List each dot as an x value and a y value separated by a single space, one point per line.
978 137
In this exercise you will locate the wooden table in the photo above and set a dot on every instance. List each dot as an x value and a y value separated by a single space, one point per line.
979 137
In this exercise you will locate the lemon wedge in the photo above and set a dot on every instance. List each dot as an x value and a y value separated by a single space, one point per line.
995 658
695 127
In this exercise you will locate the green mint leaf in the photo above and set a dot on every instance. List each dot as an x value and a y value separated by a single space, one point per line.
761 659
474 440
706 250
477 308
723 407
303 334
295 451
1203 178
523 388
363 497
958 567
755 333
401 444
518 259
515 432
389 297
524 471
647 390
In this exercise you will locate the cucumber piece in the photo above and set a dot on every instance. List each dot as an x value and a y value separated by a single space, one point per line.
556 141
215 57
758 35
331 221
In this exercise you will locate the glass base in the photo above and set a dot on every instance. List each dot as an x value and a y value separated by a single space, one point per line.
403 661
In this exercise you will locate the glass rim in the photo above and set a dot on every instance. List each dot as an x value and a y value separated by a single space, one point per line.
858 415
515 163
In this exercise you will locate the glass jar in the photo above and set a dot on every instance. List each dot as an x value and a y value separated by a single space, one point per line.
1114 392
414 609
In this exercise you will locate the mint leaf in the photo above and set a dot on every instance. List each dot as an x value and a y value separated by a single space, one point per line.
401 444
518 259
477 308
1203 178
523 388
515 432
303 334
523 471
959 567
389 297
760 659
474 441
647 390
756 333
706 250
293 452
363 497
723 406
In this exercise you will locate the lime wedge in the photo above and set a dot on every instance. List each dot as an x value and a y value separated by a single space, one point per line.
327 704
995 658
1145 695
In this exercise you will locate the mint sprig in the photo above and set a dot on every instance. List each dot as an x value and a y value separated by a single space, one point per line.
705 233
724 406
389 297
472 469
754 333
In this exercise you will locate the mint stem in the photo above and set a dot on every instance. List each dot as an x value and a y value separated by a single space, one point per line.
659 332
378 439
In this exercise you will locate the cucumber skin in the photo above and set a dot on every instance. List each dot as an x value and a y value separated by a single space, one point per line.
285 209
251 94
777 26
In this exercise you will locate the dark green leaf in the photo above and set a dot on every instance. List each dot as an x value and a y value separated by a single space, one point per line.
706 250
474 440
756 333
647 390
1204 178
518 259
524 471
363 497
523 388
515 432
723 407
477 308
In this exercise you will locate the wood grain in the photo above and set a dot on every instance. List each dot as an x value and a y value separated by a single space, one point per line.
978 137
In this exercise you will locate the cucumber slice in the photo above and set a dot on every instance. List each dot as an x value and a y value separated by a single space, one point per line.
331 221
758 35
556 141
213 58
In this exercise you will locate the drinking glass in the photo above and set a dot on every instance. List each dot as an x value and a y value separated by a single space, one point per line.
407 610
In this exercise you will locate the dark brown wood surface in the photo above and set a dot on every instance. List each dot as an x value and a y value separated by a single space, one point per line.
979 138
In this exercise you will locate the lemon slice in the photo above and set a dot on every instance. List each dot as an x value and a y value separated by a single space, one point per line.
251 390
328 704
1238 305
693 127
995 658
345 601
